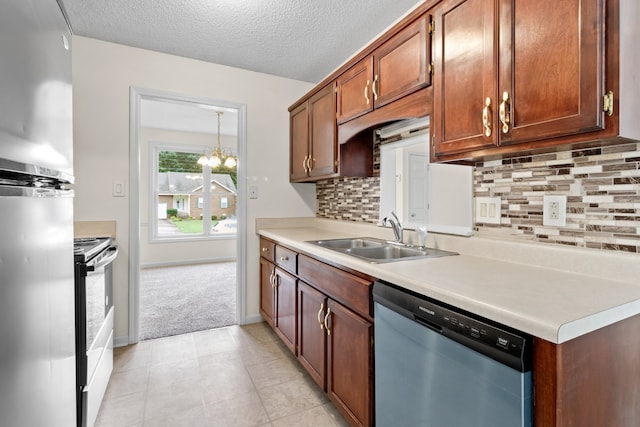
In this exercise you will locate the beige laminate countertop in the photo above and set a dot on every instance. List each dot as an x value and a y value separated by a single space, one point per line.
556 304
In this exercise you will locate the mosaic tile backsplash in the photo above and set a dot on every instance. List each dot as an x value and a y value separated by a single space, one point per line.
602 186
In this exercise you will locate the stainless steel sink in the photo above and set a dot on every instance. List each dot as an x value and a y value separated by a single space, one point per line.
361 242
378 250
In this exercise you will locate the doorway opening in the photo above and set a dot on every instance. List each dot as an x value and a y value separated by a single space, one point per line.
187 216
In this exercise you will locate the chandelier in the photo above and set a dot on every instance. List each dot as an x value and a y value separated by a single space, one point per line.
215 159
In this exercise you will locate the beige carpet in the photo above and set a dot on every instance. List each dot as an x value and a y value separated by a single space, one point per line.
189 298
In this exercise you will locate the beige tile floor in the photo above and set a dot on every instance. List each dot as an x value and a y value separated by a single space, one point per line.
232 376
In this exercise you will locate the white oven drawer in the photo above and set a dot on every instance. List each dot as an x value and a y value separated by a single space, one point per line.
99 377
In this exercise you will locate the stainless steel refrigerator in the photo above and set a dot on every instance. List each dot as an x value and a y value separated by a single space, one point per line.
37 323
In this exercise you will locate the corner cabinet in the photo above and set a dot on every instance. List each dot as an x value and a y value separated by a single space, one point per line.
333 325
509 72
397 68
313 132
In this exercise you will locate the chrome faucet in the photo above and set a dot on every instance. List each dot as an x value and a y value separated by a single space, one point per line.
396 226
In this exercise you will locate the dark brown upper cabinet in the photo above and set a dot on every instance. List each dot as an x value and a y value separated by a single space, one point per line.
397 68
314 147
510 72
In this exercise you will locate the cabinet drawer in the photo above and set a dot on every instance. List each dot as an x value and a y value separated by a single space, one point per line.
350 290
287 259
267 249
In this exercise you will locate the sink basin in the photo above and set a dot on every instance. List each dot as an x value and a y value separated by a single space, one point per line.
396 253
378 250
361 242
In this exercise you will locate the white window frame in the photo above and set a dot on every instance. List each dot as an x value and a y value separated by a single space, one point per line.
154 151
224 202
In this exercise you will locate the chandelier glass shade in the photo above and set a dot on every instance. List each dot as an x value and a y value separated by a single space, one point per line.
217 156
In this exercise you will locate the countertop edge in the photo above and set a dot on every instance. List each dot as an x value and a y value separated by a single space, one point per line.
552 332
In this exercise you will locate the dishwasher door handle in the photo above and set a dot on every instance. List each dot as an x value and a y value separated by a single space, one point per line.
428 324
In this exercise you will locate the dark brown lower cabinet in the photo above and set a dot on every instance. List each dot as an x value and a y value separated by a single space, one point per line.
350 363
323 314
267 303
285 323
335 347
278 302
592 380
312 343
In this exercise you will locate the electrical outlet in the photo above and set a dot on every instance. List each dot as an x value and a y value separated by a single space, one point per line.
488 210
554 210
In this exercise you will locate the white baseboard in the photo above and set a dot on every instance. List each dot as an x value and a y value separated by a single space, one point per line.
254 318
189 262
121 341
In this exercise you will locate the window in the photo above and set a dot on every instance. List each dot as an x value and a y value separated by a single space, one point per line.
184 206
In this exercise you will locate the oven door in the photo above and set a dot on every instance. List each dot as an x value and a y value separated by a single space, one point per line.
97 305
94 331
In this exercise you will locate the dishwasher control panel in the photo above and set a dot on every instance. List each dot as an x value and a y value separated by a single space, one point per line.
496 341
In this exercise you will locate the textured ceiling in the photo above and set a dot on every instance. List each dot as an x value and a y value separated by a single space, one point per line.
299 39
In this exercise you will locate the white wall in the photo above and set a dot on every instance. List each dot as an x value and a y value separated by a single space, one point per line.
102 75
158 253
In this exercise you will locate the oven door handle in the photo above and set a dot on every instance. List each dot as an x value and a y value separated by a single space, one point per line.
106 260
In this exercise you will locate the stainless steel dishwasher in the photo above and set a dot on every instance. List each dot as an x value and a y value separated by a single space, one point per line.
439 366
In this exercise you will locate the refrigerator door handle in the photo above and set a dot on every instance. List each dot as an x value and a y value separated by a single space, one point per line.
34 192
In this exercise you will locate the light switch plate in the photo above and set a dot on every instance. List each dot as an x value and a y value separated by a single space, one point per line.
253 191
118 189
488 210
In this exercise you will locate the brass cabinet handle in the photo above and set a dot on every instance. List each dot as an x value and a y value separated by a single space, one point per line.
272 278
309 164
304 164
326 319
284 258
320 316
504 115
265 249
366 92
373 88
485 117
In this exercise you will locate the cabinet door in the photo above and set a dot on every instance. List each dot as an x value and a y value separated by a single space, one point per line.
285 308
400 65
299 134
312 344
551 68
355 97
267 291
350 363
465 79
323 133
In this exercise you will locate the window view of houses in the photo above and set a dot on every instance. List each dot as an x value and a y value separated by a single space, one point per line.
193 199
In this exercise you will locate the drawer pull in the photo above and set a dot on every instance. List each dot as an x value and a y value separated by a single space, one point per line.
320 316
284 258
265 249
